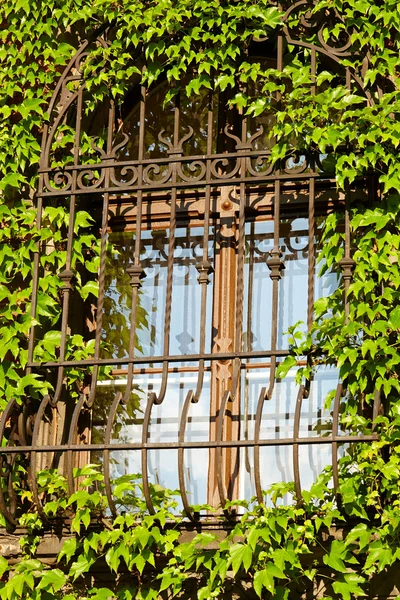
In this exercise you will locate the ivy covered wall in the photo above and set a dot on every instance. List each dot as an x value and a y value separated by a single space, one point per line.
280 551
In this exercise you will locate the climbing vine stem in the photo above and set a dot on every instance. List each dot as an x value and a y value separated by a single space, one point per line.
281 544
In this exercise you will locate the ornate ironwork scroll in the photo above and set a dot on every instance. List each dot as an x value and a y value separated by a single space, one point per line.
217 185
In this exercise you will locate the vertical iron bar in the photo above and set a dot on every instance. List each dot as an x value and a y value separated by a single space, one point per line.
304 389
106 453
72 433
240 268
249 346
257 429
205 267
100 303
154 398
276 266
135 271
67 275
103 260
33 466
227 397
35 277
311 253
170 262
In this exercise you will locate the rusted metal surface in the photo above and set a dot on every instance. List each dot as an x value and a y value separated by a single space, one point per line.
220 178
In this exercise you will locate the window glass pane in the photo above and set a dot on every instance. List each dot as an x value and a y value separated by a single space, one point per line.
276 462
293 286
164 427
151 308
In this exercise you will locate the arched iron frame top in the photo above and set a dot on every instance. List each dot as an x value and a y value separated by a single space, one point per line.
208 177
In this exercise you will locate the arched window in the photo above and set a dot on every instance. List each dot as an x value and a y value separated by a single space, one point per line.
206 257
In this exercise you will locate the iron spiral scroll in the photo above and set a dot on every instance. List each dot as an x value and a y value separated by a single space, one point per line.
236 174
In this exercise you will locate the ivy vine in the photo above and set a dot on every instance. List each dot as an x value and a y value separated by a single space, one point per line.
272 548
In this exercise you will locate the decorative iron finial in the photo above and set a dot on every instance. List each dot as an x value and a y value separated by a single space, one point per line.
136 273
205 269
347 265
67 277
275 264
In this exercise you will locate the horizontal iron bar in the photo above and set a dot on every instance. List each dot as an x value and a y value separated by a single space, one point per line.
110 162
187 445
185 184
144 360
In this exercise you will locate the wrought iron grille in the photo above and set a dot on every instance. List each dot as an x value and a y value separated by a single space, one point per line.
207 254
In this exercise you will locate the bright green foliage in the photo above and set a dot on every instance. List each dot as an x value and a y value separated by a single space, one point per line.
272 550
269 549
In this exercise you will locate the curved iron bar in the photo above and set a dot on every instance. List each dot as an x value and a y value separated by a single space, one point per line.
94 181
152 399
342 51
155 168
113 153
72 64
259 160
337 59
60 178
264 395
232 135
255 135
106 453
82 400
124 171
224 162
303 393
185 138
375 409
298 167
3 422
227 397
164 140
190 399
33 466
193 166
177 146
63 77
335 429
97 149
257 427
318 25
51 132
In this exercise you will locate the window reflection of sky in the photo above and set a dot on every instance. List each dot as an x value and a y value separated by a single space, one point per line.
277 423
278 415
186 292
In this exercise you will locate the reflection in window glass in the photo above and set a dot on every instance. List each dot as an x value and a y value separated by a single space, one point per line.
278 413
293 298
127 427
150 317
277 423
